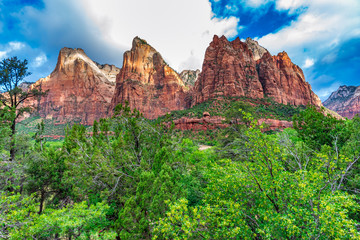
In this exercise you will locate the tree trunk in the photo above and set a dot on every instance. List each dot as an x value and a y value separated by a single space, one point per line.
42 199
12 143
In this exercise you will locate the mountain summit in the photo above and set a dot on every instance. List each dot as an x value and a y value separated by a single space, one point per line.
239 68
148 83
78 89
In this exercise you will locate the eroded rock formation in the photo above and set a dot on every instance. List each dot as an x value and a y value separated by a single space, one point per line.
228 70
247 69
189 77
345 101
214 122
78 90
148 84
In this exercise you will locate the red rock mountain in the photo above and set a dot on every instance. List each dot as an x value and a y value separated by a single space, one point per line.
78 89
246 69
345 101
148 84
82 90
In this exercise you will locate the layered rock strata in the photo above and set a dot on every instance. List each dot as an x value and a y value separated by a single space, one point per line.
189 77
77 89
239 68
208 122
148 84
345 101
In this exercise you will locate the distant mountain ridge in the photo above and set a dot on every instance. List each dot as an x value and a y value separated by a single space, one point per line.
345 101
83 90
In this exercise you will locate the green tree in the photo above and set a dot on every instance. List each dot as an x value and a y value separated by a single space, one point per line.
317 129
45 176
12 73
263 198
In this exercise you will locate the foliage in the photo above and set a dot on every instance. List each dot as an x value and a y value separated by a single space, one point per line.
12 73
20 220
316 129
133 178
259 198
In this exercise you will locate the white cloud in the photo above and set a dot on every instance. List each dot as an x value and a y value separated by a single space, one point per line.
232 8
256 3
13 46
309 62
3 54
325 92
175 31
291 5
320 29
40 60
9 48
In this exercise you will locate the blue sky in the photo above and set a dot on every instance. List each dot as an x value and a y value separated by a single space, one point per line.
321 36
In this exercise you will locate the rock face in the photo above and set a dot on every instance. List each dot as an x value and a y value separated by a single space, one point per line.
345 101
257 50
78 90
189 77
214 122
148 84
228 70
247 69
205 123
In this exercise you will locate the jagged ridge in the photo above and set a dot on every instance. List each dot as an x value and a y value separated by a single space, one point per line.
345 101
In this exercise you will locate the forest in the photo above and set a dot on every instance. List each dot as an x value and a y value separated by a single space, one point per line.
139 179
134 178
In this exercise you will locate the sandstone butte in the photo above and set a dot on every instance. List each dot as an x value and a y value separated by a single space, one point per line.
345 101
239 68
148 84
78 89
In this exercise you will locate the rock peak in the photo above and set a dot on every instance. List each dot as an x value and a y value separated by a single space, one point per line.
147 83
257 50
239 69
139 41
345 101
78 89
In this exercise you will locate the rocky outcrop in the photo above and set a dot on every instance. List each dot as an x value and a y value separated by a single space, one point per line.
110 71
345 101
78 90
274 124
208 122
228 70
148 84
237 69
25 86
284 81
257 50
189 77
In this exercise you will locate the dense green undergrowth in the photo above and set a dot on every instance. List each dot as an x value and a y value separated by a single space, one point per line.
259 108
139 179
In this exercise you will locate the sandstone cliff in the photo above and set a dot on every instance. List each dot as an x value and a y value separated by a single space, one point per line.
228 70
148 84
78 90
247 69
189 77
345 101
284 81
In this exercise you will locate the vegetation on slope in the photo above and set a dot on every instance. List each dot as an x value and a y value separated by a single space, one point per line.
259 108
138 179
